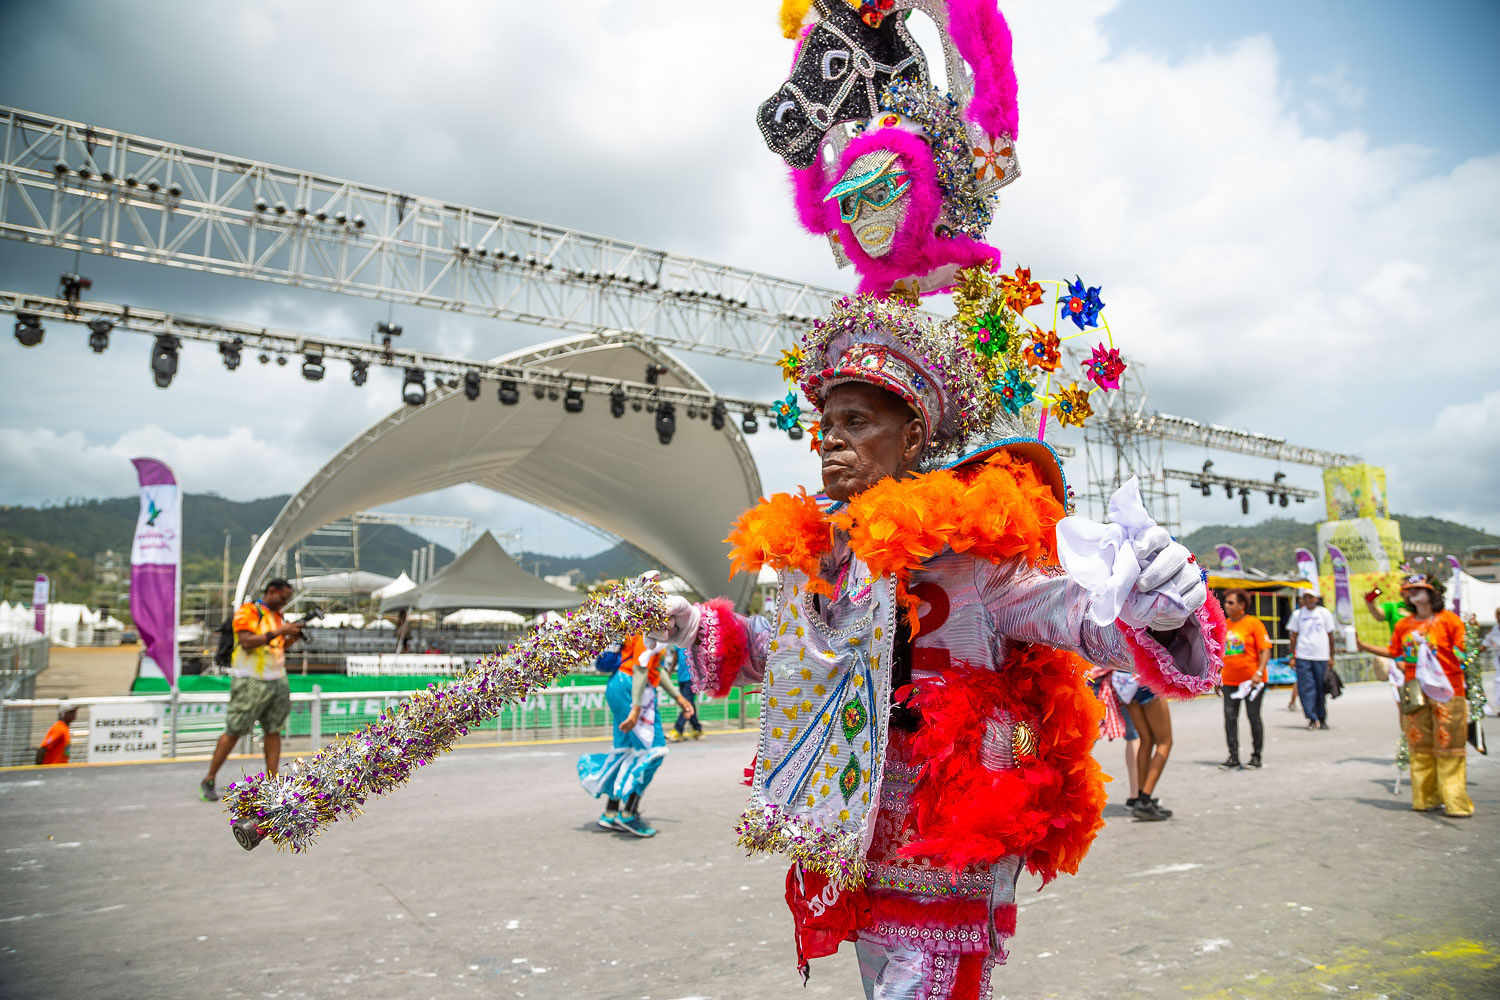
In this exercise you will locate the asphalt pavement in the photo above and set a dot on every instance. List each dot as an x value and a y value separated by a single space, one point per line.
486 877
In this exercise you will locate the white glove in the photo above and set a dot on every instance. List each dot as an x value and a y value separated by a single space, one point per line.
1175 583
684 617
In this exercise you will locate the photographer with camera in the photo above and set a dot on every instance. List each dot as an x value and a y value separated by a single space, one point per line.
258 690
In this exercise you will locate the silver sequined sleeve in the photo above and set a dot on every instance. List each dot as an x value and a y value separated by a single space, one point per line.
1033 606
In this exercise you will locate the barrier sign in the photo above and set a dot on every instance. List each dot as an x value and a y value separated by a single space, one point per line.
126 730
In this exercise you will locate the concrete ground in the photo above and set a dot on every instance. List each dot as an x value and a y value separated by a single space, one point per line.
486 878
88 671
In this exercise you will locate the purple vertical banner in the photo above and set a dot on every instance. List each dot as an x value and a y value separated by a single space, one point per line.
155 568
1229 559
1458 584
1307 568
1343 605
41 590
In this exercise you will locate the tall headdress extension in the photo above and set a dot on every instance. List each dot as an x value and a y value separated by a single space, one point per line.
900 176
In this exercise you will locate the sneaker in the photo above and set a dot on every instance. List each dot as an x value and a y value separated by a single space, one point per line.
606 820
674 737
1311 726
1255 760
1231 763
1145 809
1323 725
697 734
1130 802
206 790
635 826
1165 812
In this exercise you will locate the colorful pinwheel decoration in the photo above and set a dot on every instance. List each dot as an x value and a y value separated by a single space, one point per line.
1019 292
1082 305
791 364
787 412
1043 352
1104 367
815 436
991 334
1071 406
1015 390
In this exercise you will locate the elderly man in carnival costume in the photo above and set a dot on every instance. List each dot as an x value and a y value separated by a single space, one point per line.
926 728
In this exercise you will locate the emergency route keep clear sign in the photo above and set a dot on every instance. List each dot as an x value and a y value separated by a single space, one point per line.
126 730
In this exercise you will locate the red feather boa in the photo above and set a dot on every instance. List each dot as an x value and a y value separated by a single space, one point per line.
1049 808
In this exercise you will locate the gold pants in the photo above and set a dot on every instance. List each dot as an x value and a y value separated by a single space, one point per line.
1436 736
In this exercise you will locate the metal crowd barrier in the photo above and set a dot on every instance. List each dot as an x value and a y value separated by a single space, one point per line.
149 727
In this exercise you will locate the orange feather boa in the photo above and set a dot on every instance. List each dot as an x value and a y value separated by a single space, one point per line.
998 509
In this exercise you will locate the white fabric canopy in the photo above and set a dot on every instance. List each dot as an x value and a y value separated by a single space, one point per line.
484 577
1477 597
674 502
400 585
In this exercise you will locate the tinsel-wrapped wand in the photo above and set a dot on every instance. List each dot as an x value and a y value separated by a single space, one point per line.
292 809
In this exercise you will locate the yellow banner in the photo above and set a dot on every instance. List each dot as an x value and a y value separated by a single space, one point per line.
1372 548
1352 491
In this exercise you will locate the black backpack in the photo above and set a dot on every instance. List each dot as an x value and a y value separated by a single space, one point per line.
224 655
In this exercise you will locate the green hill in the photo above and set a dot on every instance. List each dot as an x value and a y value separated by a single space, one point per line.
63 541
1271 545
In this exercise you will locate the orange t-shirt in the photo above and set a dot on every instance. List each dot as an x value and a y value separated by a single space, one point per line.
1242 645
630 655
55 744
1445 634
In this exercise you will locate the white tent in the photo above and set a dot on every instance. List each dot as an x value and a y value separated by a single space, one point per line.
675 502
358 582
400 585
483 616
1475 596
484 576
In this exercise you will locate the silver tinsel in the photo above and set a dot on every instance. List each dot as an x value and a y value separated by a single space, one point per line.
291 810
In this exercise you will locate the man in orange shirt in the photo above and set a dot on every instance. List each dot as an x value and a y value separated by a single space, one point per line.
1247 648
258 690
54 748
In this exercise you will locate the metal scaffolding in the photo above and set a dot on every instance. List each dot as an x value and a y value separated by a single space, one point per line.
79 187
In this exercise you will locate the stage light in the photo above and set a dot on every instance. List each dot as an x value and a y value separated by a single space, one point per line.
653 372
794 432
1206 489
573 400
414 387
510 395
617 402
720 411
385 331
1302 499
281 361
636 405
1281 499
748 423
263 358
666 422
29 330
1244 500
359 371
552 395
1228 491
70 288
538 392
471 386
229 353
312 367
99 335
164 359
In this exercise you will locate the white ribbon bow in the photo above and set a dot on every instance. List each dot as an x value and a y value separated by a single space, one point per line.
1103 561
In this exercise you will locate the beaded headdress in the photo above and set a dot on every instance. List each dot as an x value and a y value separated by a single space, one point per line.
994 371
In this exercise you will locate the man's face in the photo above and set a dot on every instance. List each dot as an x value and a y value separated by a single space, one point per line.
277 597
868 434
1309 601
1234 605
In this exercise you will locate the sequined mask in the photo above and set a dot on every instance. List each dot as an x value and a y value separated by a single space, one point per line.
872 199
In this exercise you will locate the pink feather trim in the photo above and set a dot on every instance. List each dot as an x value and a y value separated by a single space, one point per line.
1155 668
722 648
983 39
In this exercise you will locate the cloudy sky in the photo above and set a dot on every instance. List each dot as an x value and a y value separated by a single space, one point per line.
1293 209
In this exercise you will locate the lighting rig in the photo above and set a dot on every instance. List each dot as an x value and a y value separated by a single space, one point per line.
668 404
1277 490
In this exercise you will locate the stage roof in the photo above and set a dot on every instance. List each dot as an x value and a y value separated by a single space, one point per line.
674 502
484 577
